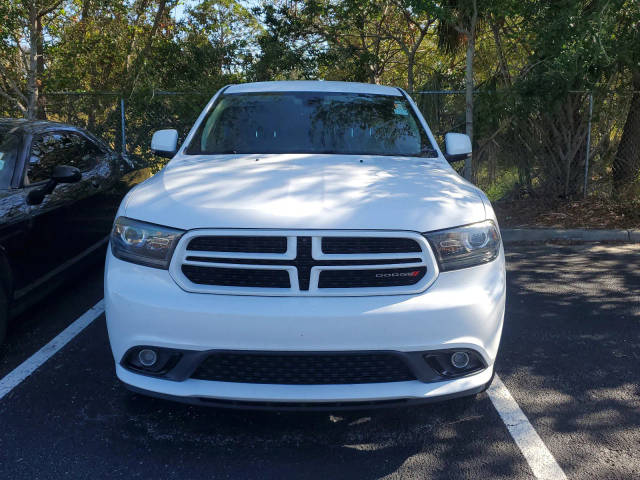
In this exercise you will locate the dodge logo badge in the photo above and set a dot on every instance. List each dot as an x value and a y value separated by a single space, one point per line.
415 273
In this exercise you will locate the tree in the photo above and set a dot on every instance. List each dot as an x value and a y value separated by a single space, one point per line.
409 30
571 57
147 21
11 62
358 31
224 28
289 46
626 163
458 25
23 40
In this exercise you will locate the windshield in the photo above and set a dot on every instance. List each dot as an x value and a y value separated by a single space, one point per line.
312 122
8 153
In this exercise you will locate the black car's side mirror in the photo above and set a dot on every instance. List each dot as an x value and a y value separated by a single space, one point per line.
65 174
60 174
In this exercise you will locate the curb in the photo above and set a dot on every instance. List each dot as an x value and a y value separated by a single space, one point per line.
527 235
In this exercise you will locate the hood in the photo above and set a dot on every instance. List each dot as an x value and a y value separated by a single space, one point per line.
306 192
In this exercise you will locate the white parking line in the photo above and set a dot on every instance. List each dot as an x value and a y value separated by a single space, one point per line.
538 456
22 371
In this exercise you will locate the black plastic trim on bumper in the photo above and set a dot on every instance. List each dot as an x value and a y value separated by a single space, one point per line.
190 360
309 406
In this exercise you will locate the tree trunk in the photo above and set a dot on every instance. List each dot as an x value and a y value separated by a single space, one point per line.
32 87
136 59
41 111
469 100
502 61
626 164
468 83
86 8
410 63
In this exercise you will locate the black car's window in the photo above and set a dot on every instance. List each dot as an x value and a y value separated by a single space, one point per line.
312 122
60 148
9 144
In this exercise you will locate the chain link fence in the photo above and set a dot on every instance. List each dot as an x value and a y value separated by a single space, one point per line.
145 113
576 147
568 149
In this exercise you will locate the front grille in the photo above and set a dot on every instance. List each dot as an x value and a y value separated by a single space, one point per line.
238 243
391 277
304 369
351 245
237 277
303 262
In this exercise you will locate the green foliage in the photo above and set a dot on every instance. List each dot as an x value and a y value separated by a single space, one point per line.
504 184
530 56
286 46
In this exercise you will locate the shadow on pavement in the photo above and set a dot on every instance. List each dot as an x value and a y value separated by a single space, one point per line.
570 353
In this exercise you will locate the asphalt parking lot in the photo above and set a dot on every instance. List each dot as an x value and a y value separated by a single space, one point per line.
570 358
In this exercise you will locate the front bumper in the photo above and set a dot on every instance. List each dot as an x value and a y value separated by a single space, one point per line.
461 309
319 404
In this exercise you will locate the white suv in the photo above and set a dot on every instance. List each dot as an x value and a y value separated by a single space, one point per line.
307 246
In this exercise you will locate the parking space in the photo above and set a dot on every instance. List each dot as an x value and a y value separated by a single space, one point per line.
35 327
570 353
569 358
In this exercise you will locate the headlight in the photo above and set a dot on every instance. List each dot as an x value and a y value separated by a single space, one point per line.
143 243
466 246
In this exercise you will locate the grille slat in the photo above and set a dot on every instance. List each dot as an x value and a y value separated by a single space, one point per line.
237 277
335 263
353 245
304 369
238 244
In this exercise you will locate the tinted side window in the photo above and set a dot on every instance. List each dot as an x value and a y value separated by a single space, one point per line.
9 144
63 148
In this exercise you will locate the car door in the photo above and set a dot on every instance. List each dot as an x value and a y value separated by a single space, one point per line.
14 212
93 212
65 224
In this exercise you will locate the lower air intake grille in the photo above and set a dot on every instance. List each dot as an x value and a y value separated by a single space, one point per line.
304 369
237 277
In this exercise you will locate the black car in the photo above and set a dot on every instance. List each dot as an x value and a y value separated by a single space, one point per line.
57 202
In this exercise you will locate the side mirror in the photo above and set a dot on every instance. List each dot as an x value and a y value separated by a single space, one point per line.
65 174
164 143
457 146
60 174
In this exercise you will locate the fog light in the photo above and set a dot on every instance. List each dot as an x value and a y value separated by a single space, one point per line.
458 359
147 357
455 363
